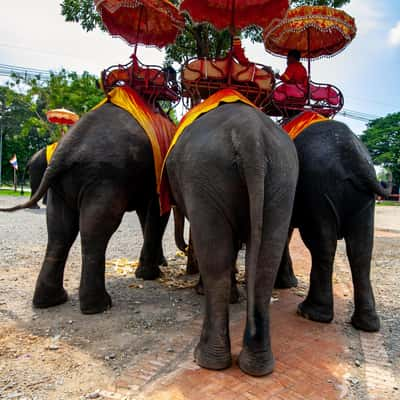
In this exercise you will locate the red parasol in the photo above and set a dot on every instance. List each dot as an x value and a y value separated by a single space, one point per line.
61 116
148 22
235 14
315 31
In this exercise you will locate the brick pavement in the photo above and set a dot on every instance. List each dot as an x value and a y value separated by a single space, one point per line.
312 359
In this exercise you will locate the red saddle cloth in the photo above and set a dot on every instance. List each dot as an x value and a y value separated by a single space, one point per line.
297 125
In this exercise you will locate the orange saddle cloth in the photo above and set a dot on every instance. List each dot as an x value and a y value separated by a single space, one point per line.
159 129
297 125
214 101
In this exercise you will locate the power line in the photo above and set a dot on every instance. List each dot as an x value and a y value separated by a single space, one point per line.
357 115
10 70
24 72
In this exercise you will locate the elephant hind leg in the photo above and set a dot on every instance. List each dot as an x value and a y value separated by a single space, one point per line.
153 226
359 244
62 227
286 278
101 213
321 240
216 255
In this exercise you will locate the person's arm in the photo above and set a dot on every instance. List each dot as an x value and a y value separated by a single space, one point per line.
286 76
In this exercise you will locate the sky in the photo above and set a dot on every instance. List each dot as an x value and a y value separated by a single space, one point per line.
367 72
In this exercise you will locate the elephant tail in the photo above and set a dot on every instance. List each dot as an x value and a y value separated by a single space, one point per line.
50 174
377 188
179 219
365 180
253 165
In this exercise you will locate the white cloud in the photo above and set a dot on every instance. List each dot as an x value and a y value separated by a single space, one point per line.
394 35
369 16
39 37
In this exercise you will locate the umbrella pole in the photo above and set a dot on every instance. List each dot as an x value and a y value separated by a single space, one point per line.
309 64
138 30
232 31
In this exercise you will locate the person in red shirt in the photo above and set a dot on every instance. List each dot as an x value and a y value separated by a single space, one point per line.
295 72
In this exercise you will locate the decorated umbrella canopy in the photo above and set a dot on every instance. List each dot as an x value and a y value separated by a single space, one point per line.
315 31
235 14
61 116
148 22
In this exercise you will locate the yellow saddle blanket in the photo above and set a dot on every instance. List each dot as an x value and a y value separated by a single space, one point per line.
158 128
50 149
214 101
297 125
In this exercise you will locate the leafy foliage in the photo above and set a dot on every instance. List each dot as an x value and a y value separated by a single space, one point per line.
199 40
23 107
382 139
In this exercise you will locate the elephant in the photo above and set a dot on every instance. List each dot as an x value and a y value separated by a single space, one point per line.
335 199
233 173
36 168
103 168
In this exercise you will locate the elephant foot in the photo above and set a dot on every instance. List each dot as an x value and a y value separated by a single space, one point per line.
163 262
256 363
213 357
95 305
315 313
286 282
148 274
367 321
46 297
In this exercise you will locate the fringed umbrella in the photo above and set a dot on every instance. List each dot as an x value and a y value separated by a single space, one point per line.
235 14
315 31
148 22
61 116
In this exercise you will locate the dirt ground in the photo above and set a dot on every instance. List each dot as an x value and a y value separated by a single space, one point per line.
61 354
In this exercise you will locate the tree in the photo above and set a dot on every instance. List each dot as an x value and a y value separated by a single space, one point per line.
382 139
200 40
23 107
15 110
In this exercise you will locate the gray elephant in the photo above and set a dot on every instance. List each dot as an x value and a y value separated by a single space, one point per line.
36 168
103 168
335 199
233 173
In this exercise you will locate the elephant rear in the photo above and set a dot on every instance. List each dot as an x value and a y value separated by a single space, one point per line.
335 199
233 172
336 169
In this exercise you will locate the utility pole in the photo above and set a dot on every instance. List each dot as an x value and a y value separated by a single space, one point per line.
1 142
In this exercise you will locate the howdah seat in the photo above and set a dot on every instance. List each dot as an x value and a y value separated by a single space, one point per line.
322 98
203 77
151 82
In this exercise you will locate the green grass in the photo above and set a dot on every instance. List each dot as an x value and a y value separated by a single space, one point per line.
388 203
10 192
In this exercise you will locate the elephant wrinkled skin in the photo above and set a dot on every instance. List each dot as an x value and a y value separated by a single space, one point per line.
233 173
335 199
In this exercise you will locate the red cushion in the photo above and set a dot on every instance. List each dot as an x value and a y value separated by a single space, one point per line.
325 93
289 91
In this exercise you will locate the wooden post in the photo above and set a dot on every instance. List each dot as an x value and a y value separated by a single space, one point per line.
15 180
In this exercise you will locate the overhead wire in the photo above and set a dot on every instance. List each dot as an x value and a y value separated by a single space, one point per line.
44 75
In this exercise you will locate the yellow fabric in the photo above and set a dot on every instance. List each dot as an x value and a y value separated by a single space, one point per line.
222 96
130 101
297 125
50 149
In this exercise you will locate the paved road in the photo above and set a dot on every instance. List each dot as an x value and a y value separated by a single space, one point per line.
150 332
388 217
